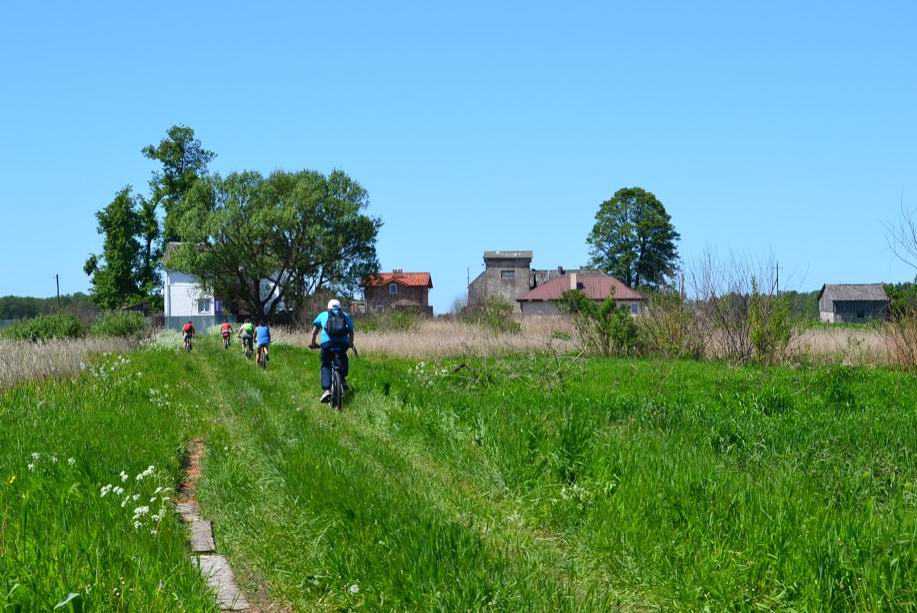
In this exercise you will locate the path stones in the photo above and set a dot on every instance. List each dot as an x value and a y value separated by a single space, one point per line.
215 568
219 577
202 537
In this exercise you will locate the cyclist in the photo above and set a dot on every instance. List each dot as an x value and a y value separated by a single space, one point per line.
246 333
336 328
262 339
226 332
187 333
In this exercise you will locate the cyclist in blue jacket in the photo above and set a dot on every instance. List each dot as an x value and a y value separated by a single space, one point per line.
336 329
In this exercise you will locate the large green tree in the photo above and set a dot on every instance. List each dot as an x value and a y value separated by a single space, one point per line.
261 241
184 160
633 239
115 273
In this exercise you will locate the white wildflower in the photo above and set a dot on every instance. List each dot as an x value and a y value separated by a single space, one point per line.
71 461
118 490
135 497
153 531
31 467
123 476
354 589
53 459
35 455
153 499
141 511
104 491
137 524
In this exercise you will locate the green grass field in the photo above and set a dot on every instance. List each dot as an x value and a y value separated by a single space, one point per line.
515 484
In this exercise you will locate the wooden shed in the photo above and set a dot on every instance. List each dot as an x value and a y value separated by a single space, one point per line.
852 303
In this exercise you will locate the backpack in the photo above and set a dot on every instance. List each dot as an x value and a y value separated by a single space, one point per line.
336 325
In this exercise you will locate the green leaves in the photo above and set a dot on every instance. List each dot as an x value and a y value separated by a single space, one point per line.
265 242
633 239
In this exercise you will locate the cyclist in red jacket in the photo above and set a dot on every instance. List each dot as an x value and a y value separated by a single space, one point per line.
187 333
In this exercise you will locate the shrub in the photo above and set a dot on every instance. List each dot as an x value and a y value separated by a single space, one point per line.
602 327
902 340
45 327
495 314
123 324
668 327
392 321
768 325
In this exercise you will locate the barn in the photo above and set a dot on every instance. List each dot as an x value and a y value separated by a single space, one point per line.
852 303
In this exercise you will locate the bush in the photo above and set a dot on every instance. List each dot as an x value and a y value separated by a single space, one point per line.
768 325
495 313
119 323
602 327
668 327
45 327
393 321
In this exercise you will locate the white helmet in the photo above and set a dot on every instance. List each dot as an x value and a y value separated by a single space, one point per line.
334 303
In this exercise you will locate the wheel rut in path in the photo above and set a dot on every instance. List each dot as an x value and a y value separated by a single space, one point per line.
213 566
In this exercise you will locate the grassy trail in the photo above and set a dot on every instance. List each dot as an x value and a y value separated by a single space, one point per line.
346 504
514 484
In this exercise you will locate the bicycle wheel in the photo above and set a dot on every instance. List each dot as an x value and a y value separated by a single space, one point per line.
337 390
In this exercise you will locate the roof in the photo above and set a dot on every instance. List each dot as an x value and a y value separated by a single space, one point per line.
849 292
168 252
596 285
507 254
408 279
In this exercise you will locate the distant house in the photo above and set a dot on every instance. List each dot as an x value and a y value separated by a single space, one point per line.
184 298
848 303
545 299
398 290
508 275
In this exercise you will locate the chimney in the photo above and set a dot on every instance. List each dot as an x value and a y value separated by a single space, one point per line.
397 272
572 280
560 270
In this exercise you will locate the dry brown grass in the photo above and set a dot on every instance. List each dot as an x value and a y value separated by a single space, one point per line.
441 338
20 361
843 346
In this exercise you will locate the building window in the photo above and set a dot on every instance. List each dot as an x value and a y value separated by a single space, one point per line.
393 288
203 305
861 315
508 275
635 308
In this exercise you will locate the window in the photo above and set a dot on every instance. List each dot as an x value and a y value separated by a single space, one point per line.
393 289
508 275
861 315
203 305
634 308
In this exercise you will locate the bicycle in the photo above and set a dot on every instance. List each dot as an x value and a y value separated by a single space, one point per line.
226 341
338 383
247 347
262 356
188 343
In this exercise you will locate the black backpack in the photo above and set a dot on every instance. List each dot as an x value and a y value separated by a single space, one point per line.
336 324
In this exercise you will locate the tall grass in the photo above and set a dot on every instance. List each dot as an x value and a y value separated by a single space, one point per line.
443 337
23 360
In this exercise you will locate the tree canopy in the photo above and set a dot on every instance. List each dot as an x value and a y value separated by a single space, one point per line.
259 242
184 160
115 273
633 239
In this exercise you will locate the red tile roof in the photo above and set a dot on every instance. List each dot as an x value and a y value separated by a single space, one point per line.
595 286
408 279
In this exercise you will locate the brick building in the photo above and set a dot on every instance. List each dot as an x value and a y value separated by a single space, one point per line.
398 290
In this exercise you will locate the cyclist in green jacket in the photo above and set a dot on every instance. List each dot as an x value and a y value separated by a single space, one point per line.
246 334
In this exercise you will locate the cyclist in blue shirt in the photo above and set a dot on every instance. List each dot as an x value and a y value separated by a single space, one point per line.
336 329
262 338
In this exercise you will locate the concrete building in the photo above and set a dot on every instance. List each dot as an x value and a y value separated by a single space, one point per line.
509 275
398 290
852 303
545 299
506 275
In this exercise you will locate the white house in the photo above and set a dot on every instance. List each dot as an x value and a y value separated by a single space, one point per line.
184 299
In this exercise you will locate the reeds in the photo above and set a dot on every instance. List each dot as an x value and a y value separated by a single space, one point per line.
21 360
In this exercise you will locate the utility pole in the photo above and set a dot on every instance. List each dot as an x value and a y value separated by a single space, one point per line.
777 278
57 283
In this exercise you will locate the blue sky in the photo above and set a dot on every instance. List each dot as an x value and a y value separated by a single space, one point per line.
775 128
